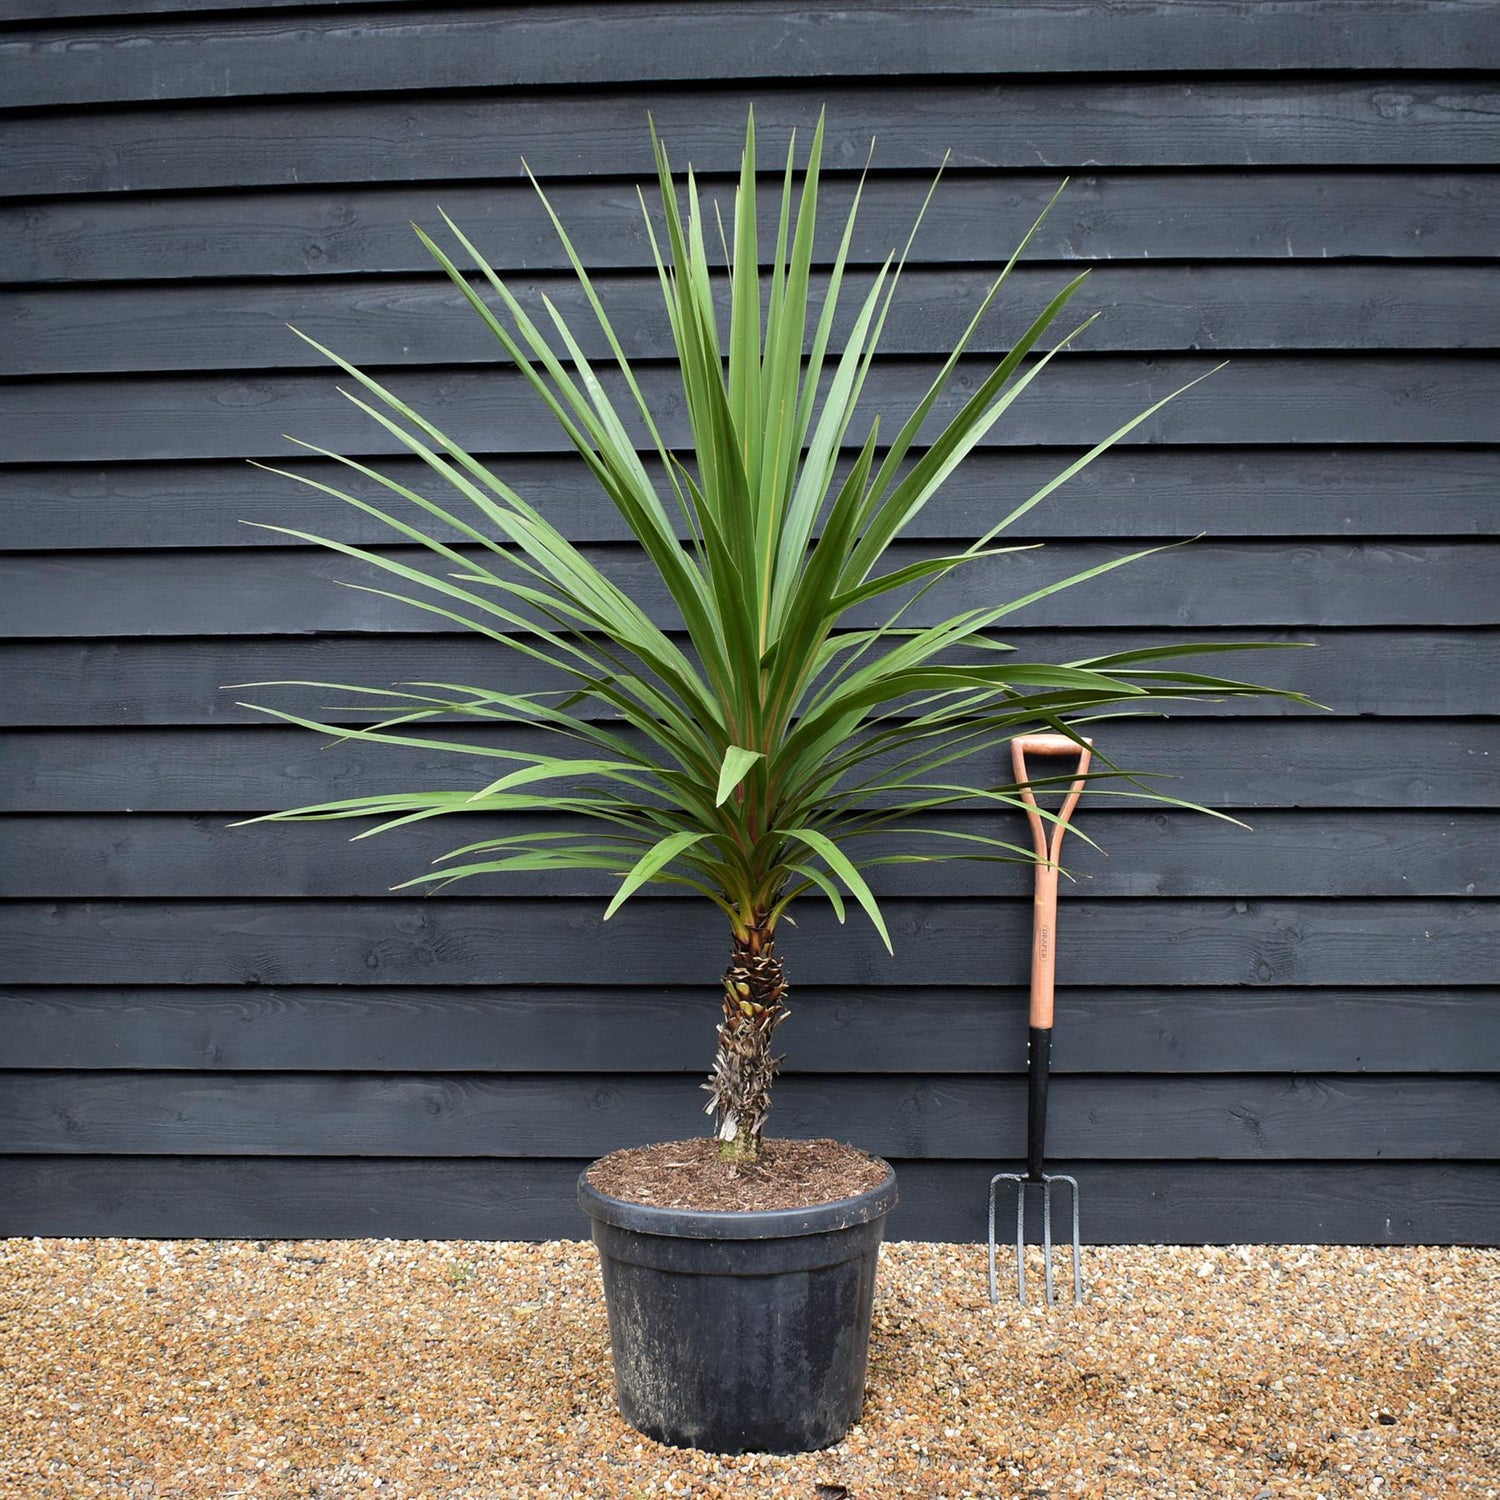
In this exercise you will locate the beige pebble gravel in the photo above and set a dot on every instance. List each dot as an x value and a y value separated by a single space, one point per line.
214 1370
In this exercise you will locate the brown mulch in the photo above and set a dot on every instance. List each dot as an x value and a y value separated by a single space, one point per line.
197 1370
689 1175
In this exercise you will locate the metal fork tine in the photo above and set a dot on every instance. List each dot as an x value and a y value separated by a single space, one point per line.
1077 1245
1047 1241
994 1290
995 1181
1021 1240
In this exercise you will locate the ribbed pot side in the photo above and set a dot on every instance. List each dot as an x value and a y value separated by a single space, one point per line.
740 1332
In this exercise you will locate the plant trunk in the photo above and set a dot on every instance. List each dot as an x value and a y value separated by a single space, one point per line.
740 1084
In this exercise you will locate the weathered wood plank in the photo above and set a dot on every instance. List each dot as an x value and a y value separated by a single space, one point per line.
259 1198
1235 764
1374 1203
935 1029
1139 853
525 941
1128 492
1254 399
54 10
1116 216
535 46
1360 121
253 591
1236 1118
1234 1203
1374 672
1286 307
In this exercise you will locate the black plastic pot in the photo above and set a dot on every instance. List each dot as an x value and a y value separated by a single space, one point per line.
740 1332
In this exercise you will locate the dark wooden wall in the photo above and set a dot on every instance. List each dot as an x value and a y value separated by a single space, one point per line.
1284 1034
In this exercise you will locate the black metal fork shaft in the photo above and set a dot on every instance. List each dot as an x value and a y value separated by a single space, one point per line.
1039 1066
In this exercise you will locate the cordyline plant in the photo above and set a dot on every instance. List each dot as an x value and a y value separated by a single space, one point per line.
754 764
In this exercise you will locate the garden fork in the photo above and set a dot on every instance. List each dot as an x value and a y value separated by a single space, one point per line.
1039 1037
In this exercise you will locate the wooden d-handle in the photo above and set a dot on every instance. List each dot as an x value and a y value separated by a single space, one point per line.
1044 909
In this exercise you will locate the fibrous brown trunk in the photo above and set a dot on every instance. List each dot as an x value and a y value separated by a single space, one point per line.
740 1084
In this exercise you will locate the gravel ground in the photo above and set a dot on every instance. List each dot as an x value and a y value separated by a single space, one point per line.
198 1370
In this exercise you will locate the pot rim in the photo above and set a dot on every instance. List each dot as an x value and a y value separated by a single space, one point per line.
738 1224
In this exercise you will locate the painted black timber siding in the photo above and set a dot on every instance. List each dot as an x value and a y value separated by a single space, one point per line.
1290 1033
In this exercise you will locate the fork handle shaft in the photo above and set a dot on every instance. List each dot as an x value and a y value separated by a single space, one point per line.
1044 947
1038 1069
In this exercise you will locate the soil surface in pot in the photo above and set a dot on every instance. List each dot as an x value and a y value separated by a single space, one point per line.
689 1175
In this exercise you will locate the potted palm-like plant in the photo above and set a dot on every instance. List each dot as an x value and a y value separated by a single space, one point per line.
797 708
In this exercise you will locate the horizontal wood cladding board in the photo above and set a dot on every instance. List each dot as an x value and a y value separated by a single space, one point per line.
1127 492
1231 214
1245 1118
936 1029
1267 584
54 10
1285 307
1268 307
1140 853
1255 398
1396 119
532 46
1238 764
1237 1203
1368 672
1197 1203
526 941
